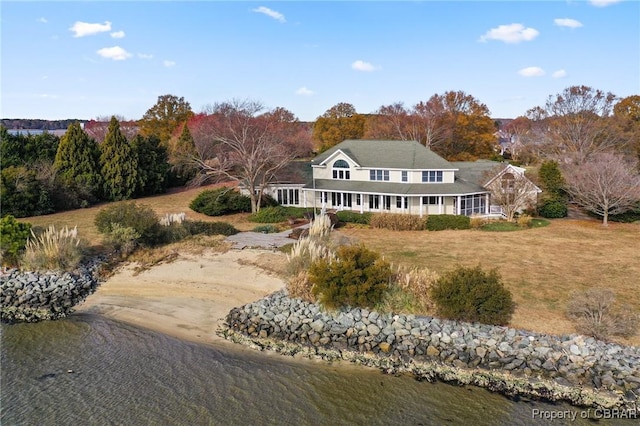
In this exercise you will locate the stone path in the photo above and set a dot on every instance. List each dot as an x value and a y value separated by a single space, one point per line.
251 239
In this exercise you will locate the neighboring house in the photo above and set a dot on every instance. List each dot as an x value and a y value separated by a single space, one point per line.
395 177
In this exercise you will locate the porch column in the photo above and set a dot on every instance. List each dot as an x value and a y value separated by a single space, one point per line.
421 206
361 203
323 198
458 205
342 201
487 200
304 198
440 204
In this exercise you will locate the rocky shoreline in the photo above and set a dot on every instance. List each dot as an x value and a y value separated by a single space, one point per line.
28 296
575 369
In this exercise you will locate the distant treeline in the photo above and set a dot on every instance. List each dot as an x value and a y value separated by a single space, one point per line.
37 124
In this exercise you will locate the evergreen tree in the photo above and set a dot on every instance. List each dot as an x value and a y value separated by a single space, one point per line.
76 161
119 164
153 165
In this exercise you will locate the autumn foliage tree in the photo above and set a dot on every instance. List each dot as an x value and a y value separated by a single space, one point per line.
164 117
337 124
119 165
605 184
246 143
455 125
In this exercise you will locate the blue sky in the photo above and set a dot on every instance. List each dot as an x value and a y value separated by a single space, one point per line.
88 59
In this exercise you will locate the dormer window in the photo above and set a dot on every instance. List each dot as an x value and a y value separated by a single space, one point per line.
341 170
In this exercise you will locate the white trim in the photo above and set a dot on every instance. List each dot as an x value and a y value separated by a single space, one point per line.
326 161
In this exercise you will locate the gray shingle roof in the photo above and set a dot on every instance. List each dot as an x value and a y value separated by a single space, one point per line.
386 154
475 171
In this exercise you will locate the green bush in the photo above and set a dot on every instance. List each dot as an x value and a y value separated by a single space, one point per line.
473 295
348 216
357 277
553 209
397 222
221 201
276 214
122 239
266 229
447 221
199 227
131 215
13 238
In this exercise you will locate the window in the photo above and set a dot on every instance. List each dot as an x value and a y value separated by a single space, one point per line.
387 202
341 170
374 202
432 176
401 202
431 201
470 204
508 182
405 176
289 196
358 199
378 174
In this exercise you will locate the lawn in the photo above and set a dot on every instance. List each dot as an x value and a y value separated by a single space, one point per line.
540 266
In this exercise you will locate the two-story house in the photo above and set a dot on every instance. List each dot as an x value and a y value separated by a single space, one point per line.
395 177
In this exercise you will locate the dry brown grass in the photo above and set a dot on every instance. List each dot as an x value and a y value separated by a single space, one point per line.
540 266
176 201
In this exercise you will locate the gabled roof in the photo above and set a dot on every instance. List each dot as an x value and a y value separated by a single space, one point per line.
475 171
387 154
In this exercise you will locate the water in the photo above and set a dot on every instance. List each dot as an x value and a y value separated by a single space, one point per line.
122 375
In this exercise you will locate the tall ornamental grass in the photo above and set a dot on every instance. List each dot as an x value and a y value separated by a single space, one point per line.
53 250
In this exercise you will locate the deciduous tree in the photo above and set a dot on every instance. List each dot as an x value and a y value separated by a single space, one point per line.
576 125
119 165
164 117
338 123
248 145
98 128
604 184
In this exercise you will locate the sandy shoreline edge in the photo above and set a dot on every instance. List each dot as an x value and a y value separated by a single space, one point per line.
187 298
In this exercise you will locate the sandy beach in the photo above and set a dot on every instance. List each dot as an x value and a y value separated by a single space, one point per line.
187 298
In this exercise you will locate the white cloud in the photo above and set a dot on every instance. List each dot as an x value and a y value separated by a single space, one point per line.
603 3
117 34
145 56
168 63
531 72
567 22
512 33
363 66
304 91
82 29
559 74
271 13
116 53
43 20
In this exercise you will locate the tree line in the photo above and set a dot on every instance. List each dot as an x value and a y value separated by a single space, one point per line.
243 141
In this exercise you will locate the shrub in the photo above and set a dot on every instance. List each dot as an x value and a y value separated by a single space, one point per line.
276 214
131 215
53 250
524 220
300 287
13 238
122 239
447 221
477 222
266 229
221 201
347 216
397 222
473 295
417 282
596 314
552 209
357 277
197 227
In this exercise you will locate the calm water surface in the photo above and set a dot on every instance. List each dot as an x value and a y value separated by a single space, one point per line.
127 376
